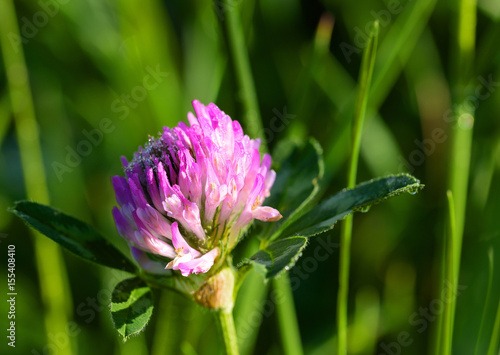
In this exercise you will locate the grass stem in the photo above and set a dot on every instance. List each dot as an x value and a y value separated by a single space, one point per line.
367 64
289 329
463 129
446 333
241 62
50 264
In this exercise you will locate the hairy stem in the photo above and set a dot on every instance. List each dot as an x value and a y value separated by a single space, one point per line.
226 325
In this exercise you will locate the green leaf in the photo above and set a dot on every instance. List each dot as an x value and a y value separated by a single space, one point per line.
131 306
280 255
324 216
296 185
73 234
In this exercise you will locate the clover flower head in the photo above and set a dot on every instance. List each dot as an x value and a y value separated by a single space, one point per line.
190 194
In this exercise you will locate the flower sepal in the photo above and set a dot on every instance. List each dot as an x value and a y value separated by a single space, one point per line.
217 292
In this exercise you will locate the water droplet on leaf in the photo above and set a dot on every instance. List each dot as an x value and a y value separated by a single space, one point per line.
413 191
365 209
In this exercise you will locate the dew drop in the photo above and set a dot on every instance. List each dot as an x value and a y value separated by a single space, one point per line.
365 209
413 191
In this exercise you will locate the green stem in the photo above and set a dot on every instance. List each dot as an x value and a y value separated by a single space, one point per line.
304 96
343 291
368 61
463 129
462 142
50 265
495 337
486 303
446 333
253 123
289 328
236 42
165 325
361 103
249 304
226 325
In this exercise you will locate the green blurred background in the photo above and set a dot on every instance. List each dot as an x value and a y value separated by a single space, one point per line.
106 74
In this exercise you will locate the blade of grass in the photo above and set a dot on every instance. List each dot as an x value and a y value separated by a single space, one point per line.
397 47
135 346
435 343
165 324
461 146
303 96
446 333
246 86
394 51
248 310
203 78
249 304
462 135
486 48
486 303
287 319
495 337
50 265
402 39
253 123
367 65
4 117
149 40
